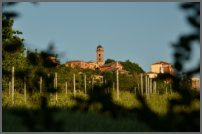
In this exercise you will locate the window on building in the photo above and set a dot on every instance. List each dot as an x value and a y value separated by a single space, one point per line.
99 55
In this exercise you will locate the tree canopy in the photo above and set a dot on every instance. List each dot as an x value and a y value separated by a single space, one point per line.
128 65
132 67
109 61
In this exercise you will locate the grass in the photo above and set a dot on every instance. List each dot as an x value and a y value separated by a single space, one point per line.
79 121
158 103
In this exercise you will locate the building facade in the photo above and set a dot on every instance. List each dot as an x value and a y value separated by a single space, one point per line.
162 67
195 83
81 64
91 64
152 75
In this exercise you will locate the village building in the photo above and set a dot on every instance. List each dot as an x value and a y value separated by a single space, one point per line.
152 75
160 67
97 65
164 67
195 83
93 64
88 65
113 66
81 64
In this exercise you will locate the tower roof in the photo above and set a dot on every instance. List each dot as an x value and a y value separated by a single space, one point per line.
99 46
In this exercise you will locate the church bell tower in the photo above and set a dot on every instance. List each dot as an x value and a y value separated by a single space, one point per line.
100 52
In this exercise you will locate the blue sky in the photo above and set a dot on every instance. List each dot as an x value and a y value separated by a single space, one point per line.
139 31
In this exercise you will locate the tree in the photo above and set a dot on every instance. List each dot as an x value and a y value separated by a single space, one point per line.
109 61
127 82
128 65
12 45
132 67
12 51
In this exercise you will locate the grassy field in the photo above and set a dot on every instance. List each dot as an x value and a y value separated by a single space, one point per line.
78 121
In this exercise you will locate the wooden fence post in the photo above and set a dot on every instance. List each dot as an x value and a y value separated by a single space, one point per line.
154 87
113 85
41 84
117 81
85 84
13 71
141 85
56 96
25 92
9 92
117 84
74 91
66 87
151 86
54 82
170 88
146 85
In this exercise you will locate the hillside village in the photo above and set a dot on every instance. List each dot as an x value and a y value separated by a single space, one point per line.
160 67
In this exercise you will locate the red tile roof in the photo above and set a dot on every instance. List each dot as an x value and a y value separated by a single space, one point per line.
74 61
161 62
109 64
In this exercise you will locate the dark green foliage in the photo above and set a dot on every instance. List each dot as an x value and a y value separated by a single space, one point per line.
132 67
109 61
12 52
127 82
109 76
128 66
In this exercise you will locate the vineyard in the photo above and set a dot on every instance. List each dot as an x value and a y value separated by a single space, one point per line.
158 103
76 121
41 95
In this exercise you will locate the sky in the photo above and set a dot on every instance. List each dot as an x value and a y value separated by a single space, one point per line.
142 32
